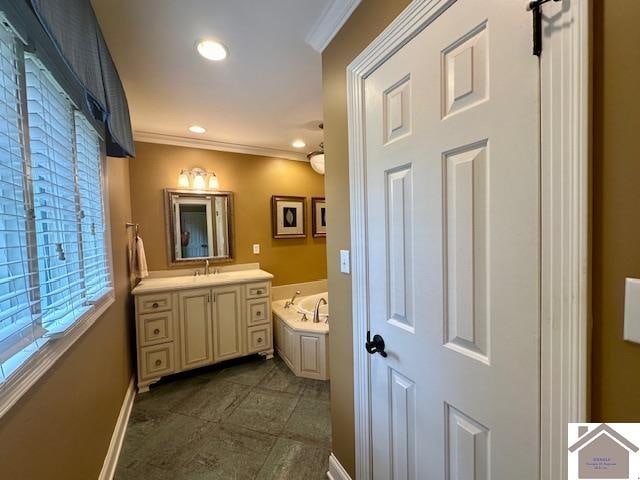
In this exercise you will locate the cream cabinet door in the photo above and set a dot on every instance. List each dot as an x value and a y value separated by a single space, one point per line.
196 344
227 322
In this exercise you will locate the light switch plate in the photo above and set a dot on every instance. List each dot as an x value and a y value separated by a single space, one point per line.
256 248
344 261
632 310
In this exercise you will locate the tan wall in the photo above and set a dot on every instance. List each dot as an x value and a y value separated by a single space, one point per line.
616 192
368 20
61 429
253 180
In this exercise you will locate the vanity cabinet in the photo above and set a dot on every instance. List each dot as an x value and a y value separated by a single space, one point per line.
180 328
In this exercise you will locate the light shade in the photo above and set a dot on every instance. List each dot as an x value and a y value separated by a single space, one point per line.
212 50
317 162
198 181
213 182
298 144
183 179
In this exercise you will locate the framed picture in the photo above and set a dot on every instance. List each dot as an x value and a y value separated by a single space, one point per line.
319 217
287 217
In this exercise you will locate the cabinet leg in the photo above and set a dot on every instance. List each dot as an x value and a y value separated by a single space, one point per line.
143 387
267 354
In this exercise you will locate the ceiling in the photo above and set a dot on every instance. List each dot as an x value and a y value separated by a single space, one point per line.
266 93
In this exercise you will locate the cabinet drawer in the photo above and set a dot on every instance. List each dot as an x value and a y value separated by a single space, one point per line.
156 361
258 290
156 302
259 339
258 311
154 328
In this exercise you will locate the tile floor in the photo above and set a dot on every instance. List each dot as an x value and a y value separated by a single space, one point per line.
248 419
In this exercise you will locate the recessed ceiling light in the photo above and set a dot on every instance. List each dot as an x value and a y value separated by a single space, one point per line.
197 129
212 50
298 144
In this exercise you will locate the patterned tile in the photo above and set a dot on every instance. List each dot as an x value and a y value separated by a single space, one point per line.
248 373
310 422
228 452
215 400
238 420
291 460
264 411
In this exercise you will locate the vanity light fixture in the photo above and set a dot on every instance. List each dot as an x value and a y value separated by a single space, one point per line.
298 144
212 50
198 179
197 129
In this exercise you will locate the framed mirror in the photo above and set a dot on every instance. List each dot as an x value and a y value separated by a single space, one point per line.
199 226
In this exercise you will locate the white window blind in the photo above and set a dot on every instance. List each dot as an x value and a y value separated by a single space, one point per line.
51 131
94 248
54 264
19 326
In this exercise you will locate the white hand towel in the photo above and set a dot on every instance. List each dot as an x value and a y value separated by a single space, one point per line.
139 260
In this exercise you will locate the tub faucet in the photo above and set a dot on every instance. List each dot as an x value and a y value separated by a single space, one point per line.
288 303
316 311
206 267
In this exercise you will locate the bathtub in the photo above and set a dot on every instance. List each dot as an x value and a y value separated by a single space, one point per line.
303 345
307 305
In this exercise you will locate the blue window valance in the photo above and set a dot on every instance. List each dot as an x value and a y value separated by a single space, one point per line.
66 36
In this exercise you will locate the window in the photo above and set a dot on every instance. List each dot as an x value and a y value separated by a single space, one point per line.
54 261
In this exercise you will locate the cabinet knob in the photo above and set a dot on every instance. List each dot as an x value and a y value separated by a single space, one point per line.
158 363
155 305
156 331
259 292
259 340
258 313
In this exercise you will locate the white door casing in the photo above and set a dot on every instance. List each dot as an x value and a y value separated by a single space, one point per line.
564 195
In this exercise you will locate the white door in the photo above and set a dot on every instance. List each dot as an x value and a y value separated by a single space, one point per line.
453 238
196 347
227 322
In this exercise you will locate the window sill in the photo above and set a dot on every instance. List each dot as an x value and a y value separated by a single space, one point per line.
32 370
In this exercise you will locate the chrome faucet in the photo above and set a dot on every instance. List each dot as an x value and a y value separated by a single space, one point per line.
316 311
206 267
288 303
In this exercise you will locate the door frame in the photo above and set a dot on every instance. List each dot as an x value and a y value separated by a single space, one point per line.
565 220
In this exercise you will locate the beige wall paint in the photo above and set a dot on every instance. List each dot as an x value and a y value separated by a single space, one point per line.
253 180
367 21
61 429
616 196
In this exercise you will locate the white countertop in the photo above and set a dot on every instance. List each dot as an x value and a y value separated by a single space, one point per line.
182 282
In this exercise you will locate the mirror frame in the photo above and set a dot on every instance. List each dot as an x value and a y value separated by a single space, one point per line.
170 230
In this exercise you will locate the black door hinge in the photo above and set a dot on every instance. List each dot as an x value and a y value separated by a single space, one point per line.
535 7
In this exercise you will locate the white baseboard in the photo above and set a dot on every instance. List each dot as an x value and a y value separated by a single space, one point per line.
336 471
111 460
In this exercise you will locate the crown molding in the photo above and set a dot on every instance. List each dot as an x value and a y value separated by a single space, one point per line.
175 140
330 22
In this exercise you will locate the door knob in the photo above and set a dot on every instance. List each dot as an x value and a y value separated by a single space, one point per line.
376 345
